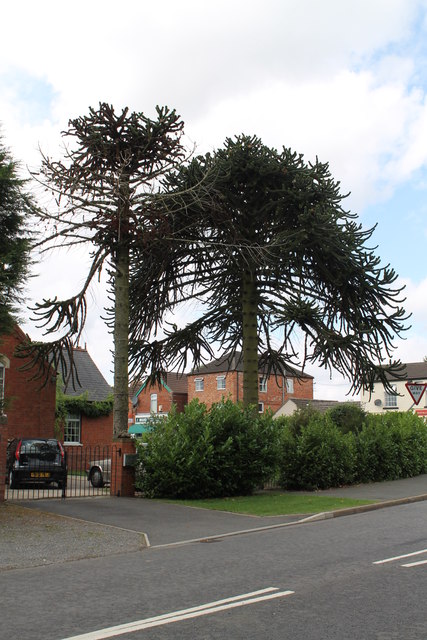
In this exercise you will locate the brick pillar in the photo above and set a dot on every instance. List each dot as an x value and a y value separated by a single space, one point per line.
3 447
122 478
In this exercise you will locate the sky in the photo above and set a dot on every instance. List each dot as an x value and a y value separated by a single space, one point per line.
344 81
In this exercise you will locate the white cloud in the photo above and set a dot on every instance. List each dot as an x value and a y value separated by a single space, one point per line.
341 80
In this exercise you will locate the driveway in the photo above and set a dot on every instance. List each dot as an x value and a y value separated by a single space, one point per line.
161 522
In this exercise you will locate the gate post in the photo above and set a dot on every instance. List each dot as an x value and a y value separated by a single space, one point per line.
122 478
3 449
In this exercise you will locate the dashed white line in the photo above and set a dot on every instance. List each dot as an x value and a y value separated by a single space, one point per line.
185 614
406 555
414 564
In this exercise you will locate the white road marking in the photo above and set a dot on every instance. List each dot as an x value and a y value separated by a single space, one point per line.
406 555
185 614
414 564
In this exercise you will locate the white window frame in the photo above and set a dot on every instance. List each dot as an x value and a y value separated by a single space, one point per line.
199 384
263 384
289 385
153 403
220 383
2 377
73 427
390 399
260 407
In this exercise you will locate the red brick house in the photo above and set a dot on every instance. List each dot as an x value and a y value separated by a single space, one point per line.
30 408
81 429
223 378
148 399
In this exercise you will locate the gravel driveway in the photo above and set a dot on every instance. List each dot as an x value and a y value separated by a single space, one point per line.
30 538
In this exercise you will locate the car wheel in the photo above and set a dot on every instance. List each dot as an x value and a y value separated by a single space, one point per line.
12 481
96 478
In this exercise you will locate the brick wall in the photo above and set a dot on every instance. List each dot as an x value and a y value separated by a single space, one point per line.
30 409
165 400
273 398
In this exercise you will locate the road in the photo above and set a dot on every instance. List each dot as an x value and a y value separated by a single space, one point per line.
340 579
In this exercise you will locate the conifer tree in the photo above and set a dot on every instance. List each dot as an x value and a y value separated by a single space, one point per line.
16 206
284 272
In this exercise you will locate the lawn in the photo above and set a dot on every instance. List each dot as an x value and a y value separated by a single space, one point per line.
275 504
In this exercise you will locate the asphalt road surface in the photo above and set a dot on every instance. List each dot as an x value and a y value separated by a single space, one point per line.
359 577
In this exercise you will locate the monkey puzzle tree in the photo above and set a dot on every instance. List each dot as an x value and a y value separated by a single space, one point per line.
277 261
16 206
104 188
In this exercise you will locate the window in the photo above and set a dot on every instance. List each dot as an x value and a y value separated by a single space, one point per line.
200 384
391 398
153 403
220 382
263 384
260 407
290 385
72 428
1 386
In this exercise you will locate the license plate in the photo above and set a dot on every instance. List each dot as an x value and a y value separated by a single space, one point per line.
40 474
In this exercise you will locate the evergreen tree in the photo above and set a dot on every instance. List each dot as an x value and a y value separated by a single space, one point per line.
278 263
104 189
16 205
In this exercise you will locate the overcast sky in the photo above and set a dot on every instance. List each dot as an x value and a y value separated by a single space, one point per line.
342 80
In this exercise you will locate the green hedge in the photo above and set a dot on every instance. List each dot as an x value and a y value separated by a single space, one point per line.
317 454
317 457
200 453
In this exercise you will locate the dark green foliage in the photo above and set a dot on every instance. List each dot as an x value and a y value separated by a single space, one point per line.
317 457
272 246
348 416
300 419
15 208
202 453
391 446
317 454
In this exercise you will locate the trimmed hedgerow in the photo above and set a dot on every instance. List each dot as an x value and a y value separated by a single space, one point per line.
391 446
200 453
318 453
317 457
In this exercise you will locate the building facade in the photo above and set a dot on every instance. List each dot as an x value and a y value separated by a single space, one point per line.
399 398
223 379
29 406
157 399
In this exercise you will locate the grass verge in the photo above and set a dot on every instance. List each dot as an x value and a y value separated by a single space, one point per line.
274 504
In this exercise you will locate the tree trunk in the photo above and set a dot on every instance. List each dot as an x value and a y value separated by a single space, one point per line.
250 339
121 341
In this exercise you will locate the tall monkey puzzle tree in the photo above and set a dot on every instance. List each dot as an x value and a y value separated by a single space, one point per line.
277 260
104 188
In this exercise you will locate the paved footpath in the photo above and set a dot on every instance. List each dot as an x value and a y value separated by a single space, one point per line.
165 523
101 526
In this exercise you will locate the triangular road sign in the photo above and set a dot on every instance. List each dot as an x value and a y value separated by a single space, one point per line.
416 390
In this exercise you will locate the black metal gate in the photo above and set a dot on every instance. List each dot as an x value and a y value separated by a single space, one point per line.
88 471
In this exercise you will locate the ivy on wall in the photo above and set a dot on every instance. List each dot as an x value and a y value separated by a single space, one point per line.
79 404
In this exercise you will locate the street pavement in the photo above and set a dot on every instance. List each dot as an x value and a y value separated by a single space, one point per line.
163 523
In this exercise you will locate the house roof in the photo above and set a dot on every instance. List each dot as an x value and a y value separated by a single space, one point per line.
89 376
411 371
234 362
173 382
319 405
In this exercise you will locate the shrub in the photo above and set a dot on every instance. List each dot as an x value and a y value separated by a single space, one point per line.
391 446
320 456
199 453
348 416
